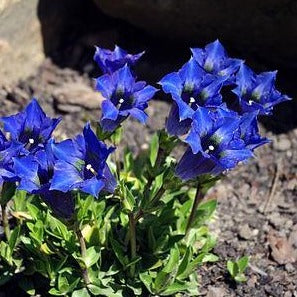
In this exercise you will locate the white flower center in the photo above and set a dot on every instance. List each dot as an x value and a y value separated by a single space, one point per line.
31 140
121 101
89 167
211 147
192 100
250 102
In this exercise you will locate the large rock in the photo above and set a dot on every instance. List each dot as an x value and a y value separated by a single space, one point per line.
264 28
21 45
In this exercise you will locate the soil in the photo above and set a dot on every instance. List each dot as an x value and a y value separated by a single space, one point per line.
257 202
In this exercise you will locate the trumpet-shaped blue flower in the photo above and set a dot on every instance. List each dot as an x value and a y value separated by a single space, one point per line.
110 61
214 59
8 150
35 173
123 97
249 131
218 141
82 165
257 92
190 88
30 127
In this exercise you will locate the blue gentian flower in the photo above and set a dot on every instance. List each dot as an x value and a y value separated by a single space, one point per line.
123 97
82 165
110 61
214 59
35 173
249 131
30 127
217 143
8 150
190 88
257 92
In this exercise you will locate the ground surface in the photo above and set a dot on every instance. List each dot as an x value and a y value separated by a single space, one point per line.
257 202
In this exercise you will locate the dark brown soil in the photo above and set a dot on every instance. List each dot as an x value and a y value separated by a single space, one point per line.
257 202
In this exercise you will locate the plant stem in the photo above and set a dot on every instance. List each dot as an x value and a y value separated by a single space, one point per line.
132 232
5 221
83 250
198 198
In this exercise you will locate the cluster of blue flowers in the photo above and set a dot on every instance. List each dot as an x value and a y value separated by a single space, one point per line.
218 125
124 96
219 132
32 159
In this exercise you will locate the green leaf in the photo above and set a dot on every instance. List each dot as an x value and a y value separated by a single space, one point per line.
56 292
151 239
63 284
240 278
118 250
167 274
207 208
34 211
108 292
92 256
20 201
128 160
95 290
136 287
147 280
14 238
210 258
81 293
157 185
117 136
84 207
232 268
243 263
176 287
128 199
8 191
185 261
154 148
133 261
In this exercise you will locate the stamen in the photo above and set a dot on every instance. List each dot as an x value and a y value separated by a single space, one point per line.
90 168
31 140
121 101
192 100
211 147
250 102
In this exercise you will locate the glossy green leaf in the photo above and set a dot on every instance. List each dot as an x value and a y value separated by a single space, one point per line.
154 148
92 256
14 236
243 263
118 250
147 280
81 293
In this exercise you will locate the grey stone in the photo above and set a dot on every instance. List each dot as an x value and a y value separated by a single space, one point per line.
246 232
21 45
283 144
289 267
216 292
77 94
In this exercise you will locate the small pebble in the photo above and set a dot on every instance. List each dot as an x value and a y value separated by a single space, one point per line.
282 144
289 267
246 232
